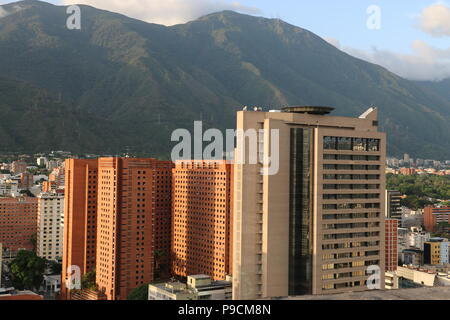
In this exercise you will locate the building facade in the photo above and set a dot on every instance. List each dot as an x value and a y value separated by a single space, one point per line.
391 243
201 218
50 231
436 251
393 206
317 225
433 216
80 218
198 287
133 194
18 223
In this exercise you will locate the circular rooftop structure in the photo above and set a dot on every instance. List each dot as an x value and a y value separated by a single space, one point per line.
317 110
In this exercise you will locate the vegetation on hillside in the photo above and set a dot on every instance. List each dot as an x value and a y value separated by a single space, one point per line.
121 83
421 190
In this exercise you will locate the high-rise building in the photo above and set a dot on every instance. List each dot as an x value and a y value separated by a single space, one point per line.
201 218
80 218
50 231
134 219
433 216
393 205
317 225
18 223
391 244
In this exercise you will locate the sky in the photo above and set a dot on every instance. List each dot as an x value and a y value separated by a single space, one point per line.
408 37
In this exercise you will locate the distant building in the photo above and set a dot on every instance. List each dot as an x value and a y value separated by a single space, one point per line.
41 161
436 251
418 239
412 257
391 242
407 171
198 287
424 277
18 222
393 205
434 216
50 231
18 167
26 180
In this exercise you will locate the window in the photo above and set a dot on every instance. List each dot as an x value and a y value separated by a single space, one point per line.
329 143
359 144
344 143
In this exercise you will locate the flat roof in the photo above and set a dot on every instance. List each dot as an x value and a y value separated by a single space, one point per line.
435 293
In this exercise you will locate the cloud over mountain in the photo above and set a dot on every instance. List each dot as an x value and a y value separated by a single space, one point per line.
166 12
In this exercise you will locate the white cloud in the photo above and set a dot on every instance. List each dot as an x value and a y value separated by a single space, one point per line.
435 20
333 42
167 12
424 63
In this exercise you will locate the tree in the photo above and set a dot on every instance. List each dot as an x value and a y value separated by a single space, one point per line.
33 240
88 281
140 293
55 267
27 270
159 266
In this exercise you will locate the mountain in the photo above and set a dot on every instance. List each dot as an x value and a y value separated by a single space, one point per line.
136 82
441 88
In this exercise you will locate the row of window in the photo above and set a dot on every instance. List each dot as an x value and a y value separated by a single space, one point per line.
352 144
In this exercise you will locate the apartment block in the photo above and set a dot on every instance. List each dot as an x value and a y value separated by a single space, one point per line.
80 218
201 218
50 231
434 216
316 225
435 251
18 167
393 206
391 244
133 226
18 222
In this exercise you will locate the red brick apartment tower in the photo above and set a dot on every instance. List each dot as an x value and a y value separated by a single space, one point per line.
201 218
391 238
18 222
133 222
434 215
80 217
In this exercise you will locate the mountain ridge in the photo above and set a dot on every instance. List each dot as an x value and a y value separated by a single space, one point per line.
145 80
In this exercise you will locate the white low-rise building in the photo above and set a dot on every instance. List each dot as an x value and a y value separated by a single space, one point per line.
198 287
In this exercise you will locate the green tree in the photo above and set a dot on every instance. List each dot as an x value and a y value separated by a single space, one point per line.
27 270
88 281
33 240
140 293
55 267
